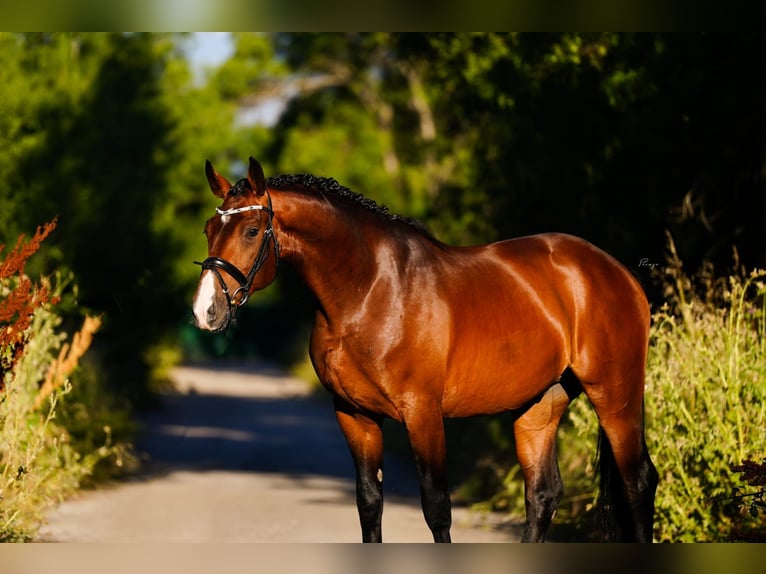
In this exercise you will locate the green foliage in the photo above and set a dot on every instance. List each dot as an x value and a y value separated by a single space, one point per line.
492 135
38 86
108 132
43 456
38 463
706 401
250 68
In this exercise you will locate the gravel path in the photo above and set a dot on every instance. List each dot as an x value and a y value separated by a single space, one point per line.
244 455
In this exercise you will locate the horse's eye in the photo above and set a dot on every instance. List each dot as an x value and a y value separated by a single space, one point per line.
251 232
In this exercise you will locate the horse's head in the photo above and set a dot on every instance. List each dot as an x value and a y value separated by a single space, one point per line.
243 253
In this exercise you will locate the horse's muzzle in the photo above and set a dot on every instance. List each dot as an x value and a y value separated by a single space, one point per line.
211 308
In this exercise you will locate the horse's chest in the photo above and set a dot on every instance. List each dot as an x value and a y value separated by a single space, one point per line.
350 373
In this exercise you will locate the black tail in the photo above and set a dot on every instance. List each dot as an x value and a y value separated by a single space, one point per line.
611 495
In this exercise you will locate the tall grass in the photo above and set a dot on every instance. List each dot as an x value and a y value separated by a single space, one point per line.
41 459
706 400
705 413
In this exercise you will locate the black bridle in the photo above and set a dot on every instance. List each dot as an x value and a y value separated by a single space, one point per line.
238 299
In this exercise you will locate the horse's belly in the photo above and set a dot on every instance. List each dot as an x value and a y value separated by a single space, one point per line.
490 387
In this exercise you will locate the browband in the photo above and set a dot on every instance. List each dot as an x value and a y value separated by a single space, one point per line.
220 211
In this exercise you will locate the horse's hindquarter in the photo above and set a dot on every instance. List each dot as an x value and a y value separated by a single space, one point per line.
531 307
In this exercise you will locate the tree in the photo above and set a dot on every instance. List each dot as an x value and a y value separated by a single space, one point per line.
112 139
614 137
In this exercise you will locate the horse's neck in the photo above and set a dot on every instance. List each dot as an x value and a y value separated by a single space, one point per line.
325 245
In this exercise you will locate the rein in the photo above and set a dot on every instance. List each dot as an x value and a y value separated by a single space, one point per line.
238 299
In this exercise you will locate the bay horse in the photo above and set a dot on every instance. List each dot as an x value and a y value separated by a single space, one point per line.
411 329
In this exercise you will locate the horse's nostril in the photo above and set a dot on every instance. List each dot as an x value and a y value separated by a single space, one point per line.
211 312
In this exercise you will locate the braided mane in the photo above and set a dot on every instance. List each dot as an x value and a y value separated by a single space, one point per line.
328 185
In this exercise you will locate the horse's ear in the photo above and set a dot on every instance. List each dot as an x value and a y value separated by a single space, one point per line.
218 184
255 177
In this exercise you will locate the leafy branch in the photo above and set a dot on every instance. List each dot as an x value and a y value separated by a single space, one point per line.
754 474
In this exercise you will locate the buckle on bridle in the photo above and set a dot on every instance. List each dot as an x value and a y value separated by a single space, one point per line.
245 290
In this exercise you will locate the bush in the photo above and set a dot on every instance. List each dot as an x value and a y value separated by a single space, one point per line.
40 462
706 400
706 413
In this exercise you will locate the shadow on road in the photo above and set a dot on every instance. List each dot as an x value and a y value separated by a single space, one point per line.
227 418
247 454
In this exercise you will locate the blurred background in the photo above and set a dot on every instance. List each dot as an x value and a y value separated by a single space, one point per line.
616 138
613 137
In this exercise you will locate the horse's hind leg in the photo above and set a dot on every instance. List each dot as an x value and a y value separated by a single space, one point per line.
629 486
535 432
628 477
609 351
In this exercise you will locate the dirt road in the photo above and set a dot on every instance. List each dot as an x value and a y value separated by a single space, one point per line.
237 455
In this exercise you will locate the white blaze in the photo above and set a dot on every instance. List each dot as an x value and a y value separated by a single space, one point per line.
203 300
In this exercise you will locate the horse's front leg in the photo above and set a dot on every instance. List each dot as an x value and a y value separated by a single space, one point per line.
425 427
364 436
